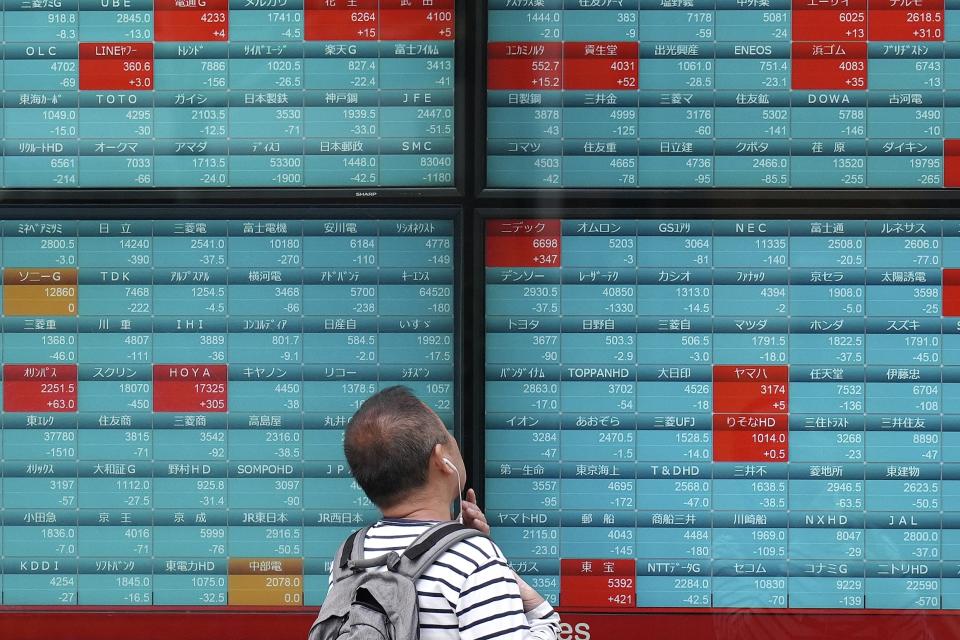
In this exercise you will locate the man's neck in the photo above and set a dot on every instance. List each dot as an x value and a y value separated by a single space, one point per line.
418 509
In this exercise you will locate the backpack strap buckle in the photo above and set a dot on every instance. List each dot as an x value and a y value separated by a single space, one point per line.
389 560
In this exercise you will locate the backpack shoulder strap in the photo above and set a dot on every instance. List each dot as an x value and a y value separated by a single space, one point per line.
431 545
351 549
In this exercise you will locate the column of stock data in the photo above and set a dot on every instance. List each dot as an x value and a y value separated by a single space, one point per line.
175 393
726 413
723 93
227 93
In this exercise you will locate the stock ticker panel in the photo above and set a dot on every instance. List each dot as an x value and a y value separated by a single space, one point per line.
175 393
626 94
726 413
227 93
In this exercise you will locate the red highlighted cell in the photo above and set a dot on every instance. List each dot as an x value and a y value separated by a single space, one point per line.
951 293
417 19
750 422
598 583
191 20
750 389
906 20
840 66
734 397
751 373
951 163
341 20
116 66
199 388
751 438
818 20
524 66
523 243
40 388
613 66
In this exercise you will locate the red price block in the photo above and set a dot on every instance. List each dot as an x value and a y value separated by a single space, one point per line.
840 66
751 438
194 388
612 66
598 583
594 592
417 19
750 389
951 163
523 243
191 20
40 388
951 290
524 66
750 397
906 20
116 66
818 20
341 20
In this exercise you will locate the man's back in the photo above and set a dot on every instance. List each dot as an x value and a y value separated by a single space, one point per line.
469 592
405 460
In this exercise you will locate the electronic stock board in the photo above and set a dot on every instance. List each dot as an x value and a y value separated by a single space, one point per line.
174 394
695 94
354 94
701 412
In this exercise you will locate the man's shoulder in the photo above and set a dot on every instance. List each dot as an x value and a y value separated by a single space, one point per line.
465 556
479 549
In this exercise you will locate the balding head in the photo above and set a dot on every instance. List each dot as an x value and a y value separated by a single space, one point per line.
388 443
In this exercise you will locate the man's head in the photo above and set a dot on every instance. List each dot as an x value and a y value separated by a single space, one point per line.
395 446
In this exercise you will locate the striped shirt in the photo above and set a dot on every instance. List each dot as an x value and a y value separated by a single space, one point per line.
469 592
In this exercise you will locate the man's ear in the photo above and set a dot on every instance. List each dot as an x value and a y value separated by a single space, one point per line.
437 456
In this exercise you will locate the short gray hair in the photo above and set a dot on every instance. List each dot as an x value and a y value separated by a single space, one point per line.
388 443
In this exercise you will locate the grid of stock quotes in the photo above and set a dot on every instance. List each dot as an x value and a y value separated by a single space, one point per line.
727 413
622 94
175 392
227 93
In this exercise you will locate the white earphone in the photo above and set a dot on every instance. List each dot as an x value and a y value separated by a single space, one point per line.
447 462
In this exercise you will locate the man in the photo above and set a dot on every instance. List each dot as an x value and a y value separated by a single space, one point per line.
404 459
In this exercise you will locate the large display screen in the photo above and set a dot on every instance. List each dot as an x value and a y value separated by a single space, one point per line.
693 412
716 93
174 394
227 93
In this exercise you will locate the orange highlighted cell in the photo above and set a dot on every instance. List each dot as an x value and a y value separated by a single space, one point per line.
274 582
40 292
264 566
